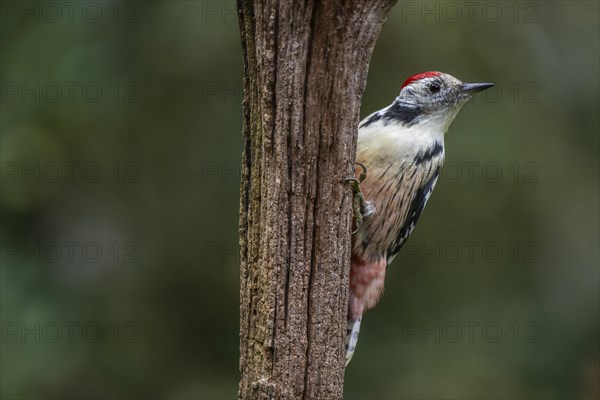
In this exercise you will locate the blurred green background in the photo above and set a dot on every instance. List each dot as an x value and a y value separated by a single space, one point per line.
121 145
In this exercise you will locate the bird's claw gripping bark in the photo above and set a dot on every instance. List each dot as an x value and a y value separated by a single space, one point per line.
360 207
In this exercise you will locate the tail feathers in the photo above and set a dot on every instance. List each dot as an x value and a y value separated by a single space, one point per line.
352 338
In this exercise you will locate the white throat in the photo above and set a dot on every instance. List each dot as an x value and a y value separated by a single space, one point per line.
391 139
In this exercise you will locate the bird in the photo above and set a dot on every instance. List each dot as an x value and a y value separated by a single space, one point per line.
399 154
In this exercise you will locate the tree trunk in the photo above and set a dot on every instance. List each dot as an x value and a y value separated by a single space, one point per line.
305 68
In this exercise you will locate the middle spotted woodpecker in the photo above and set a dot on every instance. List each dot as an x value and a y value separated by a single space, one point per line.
402 147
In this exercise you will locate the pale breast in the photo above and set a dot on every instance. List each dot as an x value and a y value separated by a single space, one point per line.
399 192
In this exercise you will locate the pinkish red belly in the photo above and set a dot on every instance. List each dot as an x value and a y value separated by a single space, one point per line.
366 285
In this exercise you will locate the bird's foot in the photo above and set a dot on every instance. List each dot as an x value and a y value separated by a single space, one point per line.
360 207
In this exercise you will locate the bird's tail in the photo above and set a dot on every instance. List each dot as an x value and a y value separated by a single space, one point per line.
352 337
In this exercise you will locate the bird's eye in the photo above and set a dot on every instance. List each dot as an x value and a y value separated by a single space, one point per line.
434 87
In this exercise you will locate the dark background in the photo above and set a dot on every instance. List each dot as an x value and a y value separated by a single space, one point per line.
121 147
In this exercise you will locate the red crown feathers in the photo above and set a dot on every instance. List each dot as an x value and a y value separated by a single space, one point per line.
420 76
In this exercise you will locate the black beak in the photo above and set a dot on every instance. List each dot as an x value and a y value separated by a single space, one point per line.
472 88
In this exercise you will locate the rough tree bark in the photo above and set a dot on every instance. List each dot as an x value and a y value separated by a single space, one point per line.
305 68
